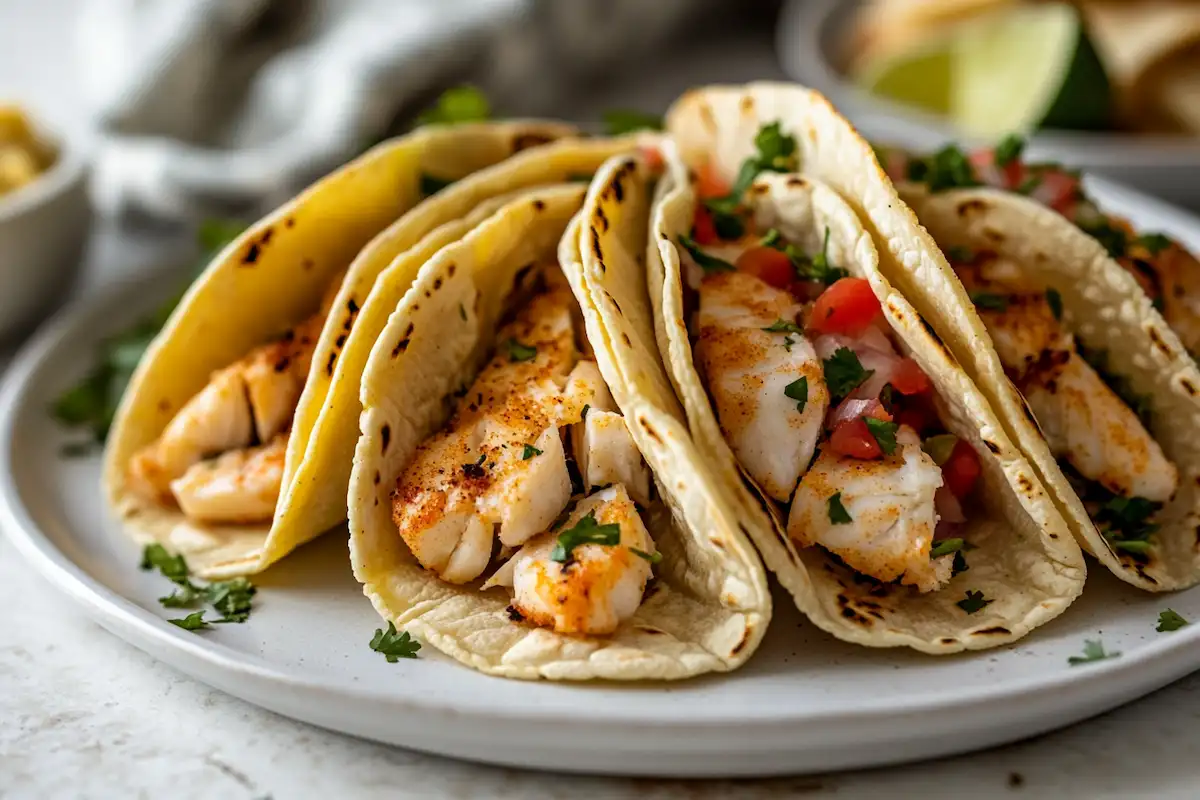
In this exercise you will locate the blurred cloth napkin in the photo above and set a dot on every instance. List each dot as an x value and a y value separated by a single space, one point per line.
229 106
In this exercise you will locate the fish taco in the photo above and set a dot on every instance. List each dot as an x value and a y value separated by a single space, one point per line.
502 508
205 454
872 473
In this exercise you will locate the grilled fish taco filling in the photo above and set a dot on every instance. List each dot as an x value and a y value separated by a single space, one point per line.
1093 422
1166 271
221 457
535 483
816 400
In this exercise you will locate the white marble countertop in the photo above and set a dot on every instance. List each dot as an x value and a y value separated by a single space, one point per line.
82 714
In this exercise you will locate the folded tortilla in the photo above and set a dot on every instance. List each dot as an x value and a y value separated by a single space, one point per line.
272 277
1106 309
1025 557
709 605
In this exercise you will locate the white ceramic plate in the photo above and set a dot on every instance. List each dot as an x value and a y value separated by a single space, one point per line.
804 703
809 38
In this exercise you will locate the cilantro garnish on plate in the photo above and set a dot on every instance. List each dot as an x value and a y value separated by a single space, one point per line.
230 598
1092 651
1170 620
394 645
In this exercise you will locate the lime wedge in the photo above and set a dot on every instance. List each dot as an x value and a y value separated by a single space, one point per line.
1020 69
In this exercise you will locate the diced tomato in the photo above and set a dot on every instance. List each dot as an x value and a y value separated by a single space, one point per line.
1057 189
962 469
769 265
853 439
849 307
1007 177
710 184
704 232
653 157
908 378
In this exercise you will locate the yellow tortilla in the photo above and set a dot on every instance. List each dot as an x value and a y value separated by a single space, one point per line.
710 607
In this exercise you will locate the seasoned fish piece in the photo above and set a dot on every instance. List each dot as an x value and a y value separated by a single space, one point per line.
749 371
599 586
889 503
275 375
606 454
240 486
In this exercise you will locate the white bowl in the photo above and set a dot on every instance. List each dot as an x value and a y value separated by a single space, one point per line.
811 32
43 232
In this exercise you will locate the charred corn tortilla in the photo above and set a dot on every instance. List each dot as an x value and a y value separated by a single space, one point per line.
270 278
1106 310
709 607
1026 558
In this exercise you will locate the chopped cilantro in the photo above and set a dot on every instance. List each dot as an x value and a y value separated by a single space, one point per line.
1127 521
529 452
948 168
819 268
585 531
992 302
173 568
1092 651
798 390
183 597
776 149
945 547
231 598
619 121
1054 300
1008 150
844 373
519 352
726 219
704 260
959 565
653 558
1109 235
783 326
974 601
455 105
884 433
1170 620
838 514
1154 242
393 645
771 238
192 622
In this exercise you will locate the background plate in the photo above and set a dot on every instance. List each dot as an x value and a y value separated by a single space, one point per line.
804 703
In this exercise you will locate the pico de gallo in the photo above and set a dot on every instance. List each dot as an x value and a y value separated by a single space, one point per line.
1166 271
812 395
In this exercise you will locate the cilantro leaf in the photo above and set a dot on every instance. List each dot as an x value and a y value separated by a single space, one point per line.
704 260
783 326
585 531
393 645
231 598
776 149
653 558
1170 620
725 217
529 452
945 547
1008 150
192 622
959 565
455 105
948 168
992 302
798 390
1109 235
844 373
173 568
619 121
183 597
838 514
1128 518
1054 300
1092 651
1154 242
518 352
884 433
819 268
974 601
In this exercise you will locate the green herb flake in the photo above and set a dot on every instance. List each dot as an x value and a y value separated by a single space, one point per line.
585 531
1092 651
948 168
1154 242
393 645
1170 620
788 341
622 121
989 301
945 547
1113 238
884 433
1008 150
960 564
1054 300
798 390
231 598
838 515
518 352
192 622
529 452
704 260
173 568
772 238
726 220
653 558
783 326
973 602
776 150
456 105
1127 520
844 373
